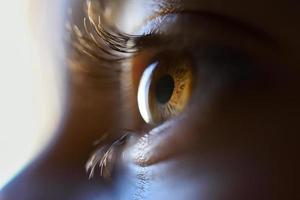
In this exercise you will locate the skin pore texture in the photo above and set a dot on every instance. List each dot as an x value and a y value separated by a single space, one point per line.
237 138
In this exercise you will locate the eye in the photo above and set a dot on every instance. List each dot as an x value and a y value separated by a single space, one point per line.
165 87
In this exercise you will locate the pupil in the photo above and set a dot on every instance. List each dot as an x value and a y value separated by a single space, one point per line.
164 89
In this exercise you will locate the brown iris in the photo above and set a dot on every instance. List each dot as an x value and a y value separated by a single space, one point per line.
165 89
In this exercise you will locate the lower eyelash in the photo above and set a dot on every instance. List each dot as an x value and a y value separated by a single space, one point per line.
106 157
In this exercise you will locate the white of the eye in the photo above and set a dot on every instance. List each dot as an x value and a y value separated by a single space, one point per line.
143 92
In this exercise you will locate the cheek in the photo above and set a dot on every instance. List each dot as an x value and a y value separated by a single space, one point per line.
230 147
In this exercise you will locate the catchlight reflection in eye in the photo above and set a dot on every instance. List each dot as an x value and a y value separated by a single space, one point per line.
143 93
164 90
29 100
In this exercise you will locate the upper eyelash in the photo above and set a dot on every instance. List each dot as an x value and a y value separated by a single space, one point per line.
100 40
103 41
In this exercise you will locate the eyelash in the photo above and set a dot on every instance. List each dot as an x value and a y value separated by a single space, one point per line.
98 43
106 156
102 41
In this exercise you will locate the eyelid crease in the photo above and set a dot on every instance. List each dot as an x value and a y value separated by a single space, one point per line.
167 7
230 21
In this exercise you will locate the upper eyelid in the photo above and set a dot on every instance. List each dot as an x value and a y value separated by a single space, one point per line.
168 7
110 44
243 27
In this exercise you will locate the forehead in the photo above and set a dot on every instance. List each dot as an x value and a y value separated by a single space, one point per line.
276 17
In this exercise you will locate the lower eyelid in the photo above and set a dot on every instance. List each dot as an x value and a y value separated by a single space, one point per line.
159 144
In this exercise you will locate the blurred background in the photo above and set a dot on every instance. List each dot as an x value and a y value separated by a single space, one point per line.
46 130
51 112
31 82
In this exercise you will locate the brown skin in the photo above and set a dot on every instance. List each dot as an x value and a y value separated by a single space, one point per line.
239 143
